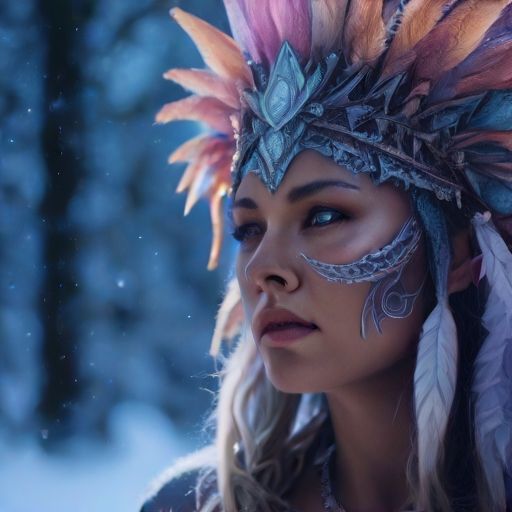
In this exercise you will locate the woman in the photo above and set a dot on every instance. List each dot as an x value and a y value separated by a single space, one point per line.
365 148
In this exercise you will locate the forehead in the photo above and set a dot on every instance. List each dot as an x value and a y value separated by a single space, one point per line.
308 174
307 166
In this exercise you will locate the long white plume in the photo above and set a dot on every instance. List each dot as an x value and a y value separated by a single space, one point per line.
492 385
434 385
435 376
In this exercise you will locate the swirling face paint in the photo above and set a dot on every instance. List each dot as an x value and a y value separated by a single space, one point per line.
383 268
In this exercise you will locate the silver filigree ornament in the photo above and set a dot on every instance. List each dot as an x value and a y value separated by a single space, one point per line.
281 114
383 268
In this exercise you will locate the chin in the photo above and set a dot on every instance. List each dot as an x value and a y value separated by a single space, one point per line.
288 372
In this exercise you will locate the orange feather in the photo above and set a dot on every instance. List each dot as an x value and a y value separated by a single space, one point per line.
216 214
455 37
219 51
419 17
365 33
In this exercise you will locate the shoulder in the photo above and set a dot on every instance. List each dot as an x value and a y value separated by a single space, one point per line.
175 489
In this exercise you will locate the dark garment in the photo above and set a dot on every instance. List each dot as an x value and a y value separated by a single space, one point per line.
177 495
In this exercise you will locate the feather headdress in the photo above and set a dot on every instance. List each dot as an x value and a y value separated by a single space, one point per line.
416 91
412 98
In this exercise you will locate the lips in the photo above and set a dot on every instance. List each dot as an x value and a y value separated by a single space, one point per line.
279 319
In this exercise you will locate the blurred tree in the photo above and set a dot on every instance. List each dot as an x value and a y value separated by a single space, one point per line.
104 290
63 153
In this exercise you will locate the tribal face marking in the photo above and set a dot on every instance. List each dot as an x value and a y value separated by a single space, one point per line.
387 296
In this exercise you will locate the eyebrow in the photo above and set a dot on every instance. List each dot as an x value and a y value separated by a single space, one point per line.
299 193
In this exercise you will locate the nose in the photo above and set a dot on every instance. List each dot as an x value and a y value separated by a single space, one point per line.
273 266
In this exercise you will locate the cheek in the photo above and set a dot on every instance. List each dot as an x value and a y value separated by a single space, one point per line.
399 337
340 246
341 313
339 308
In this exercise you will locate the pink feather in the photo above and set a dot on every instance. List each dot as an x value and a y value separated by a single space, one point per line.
194 108
293 23
190 174
190 149
271 23
246 38
203 178
209 149
205 83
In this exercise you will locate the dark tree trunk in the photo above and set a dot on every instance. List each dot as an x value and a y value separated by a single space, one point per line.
62 153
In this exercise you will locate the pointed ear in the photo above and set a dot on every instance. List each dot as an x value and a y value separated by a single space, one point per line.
461 271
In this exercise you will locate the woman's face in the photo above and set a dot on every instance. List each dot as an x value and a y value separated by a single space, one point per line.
332 224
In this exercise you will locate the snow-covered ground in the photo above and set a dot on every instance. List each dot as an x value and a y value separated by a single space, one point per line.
92 477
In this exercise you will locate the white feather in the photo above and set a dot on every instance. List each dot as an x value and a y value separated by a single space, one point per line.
491 386
434 384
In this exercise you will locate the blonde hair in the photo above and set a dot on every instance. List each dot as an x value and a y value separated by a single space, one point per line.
261 441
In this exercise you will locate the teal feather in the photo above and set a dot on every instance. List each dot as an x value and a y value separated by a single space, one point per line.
495 193
494 112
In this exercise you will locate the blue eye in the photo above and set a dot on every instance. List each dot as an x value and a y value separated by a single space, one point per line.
243 232
319 216
325 216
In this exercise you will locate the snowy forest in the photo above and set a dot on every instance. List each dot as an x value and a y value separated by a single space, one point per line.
106 305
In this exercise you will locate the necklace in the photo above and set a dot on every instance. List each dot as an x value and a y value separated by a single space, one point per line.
329 501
